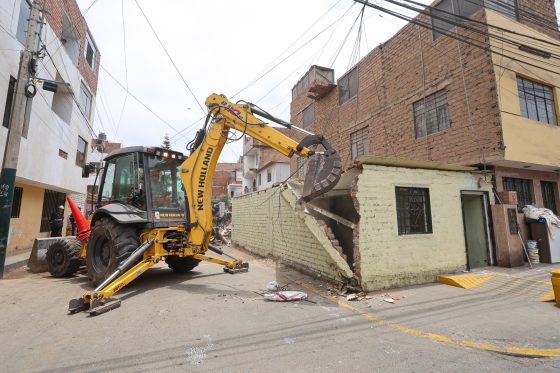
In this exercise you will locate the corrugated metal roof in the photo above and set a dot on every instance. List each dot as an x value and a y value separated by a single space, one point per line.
410 163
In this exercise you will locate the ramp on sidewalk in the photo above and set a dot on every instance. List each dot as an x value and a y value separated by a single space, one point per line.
522 282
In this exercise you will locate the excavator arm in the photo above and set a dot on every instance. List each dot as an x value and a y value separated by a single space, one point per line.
198 169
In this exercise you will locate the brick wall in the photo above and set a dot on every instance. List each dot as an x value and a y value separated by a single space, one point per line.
539 14
55 11
393 77
269 224
391 260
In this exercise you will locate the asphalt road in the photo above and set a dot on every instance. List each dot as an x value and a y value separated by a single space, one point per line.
213 321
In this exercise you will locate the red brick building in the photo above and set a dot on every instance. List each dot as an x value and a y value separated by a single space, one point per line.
485 96
225 174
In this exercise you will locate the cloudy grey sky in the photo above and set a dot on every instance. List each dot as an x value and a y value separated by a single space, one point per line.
219 46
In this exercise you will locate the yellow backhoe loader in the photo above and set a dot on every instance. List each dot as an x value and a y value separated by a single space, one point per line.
155 204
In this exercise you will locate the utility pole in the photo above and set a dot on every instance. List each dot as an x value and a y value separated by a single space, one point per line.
25 88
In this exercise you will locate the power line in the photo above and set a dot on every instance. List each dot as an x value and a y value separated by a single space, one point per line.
170 59
125 67
293 43
139 101
291 54
485 24
465 39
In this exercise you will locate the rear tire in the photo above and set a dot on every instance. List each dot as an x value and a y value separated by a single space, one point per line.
181 264
63 257
109 244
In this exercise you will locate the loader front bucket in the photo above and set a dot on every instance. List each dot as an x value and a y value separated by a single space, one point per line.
323 171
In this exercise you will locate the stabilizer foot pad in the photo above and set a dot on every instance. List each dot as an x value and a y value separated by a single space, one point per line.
102 306
243 267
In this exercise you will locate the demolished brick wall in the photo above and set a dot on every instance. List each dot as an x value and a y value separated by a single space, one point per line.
269 223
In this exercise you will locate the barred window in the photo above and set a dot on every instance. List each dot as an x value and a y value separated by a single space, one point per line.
348 86
308 115
548 193
523 189
431 115
16 203
51 200
536 101
413 210
359 142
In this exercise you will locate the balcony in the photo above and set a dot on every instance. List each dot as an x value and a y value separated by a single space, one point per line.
317 82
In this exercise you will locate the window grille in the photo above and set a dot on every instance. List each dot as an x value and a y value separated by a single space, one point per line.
548 193
51 200
308 116
359 142
16 203
431 114
536 101
348 86
413 210
523 189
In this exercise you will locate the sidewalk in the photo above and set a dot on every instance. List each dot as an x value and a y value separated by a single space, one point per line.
16 260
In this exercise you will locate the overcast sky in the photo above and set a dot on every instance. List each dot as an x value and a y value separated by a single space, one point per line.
219 46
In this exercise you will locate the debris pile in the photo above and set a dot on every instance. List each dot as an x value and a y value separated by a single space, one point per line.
275 292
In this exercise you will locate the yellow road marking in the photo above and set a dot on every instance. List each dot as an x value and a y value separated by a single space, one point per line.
508 349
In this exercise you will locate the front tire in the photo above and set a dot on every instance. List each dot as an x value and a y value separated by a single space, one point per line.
181 264
63 257
109 244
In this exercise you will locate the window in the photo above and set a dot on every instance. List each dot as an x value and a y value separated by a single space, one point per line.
9 102
348 86
430 114
523 189
62 102
308 115
359 142
507 7
70 39
16 203
51 200
268 176
85 101
81 152
107 187
23 20
90 52
413 210
536 101
62 154
460 8
548 194
259 180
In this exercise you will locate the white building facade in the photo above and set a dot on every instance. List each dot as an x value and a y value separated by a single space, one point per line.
58 127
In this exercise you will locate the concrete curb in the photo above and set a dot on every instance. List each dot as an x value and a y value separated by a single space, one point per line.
17 261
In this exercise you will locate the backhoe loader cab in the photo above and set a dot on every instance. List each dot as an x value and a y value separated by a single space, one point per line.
142 186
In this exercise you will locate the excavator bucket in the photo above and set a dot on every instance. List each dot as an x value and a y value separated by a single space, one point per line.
323 171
